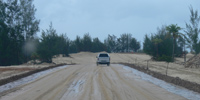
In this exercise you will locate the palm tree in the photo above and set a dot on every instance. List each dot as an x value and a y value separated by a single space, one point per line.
174 31
156 42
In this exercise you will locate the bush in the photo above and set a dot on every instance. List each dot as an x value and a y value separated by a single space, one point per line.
52 44
161 50
165 58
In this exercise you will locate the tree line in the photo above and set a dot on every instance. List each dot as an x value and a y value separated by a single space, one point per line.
125 43
19 43
18 25
51 44
168 42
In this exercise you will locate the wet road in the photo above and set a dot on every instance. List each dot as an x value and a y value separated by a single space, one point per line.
91 82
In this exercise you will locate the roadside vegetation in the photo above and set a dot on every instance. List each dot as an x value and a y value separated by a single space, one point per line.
171 41
19 42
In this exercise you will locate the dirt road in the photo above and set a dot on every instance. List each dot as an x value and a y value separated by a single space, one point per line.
91 82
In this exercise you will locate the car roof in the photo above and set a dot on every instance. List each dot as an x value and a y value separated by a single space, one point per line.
103 54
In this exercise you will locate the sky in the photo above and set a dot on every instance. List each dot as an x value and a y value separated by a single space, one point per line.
115 17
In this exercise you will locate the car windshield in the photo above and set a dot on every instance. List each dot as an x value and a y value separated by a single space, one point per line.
103 55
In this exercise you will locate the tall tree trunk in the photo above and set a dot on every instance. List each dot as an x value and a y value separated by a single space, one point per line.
184 53
157 50
173 49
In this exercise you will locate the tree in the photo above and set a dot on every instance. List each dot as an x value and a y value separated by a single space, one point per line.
124 42
156 41
158 45
73 47
4 39
46 48
63 45
4 45
51 44
148 45
87 42
111 43
97 45
174 31
3 7
29 22
12 38
193 31
79 44
134 44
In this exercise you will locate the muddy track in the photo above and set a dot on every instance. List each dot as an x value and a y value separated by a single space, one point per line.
174 80
90 82
59 87
16 77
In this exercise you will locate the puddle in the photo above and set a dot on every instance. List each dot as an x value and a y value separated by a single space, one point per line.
74 90
76 86
27 79
169 87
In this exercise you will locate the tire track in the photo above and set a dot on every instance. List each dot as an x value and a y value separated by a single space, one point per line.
89 85
103 88
91 82
63 88
133 87
93 76
85 74
40 78
116 94
60 85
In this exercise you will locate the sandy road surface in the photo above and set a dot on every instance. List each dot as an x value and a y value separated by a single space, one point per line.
91 82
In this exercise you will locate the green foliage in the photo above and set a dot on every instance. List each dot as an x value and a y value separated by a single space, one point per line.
125 43
165 58
78 43
35 56
148 45
12 29
18 27
30 24
51 44
134 45
87 42
73 48
159 45
193 31
97 45
111 43
174 31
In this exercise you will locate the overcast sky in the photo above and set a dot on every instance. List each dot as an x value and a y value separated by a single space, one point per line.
102 17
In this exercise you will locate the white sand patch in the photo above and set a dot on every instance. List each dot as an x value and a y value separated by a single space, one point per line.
27 79
169 87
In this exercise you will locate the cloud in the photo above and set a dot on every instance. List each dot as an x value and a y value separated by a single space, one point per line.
103 17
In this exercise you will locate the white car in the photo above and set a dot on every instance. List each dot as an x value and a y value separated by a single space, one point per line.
103 58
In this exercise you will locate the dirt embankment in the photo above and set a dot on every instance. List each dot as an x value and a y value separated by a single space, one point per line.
175 70
174 80
193 62
30 71
91 82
